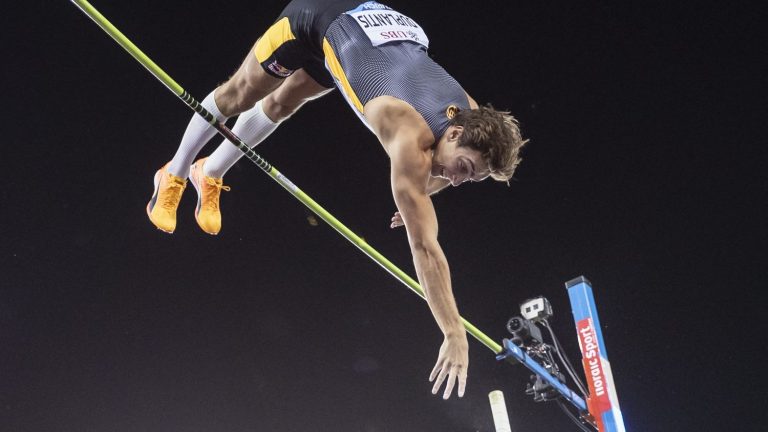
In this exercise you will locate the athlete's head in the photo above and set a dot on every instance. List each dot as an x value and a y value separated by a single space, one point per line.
496 135
478 143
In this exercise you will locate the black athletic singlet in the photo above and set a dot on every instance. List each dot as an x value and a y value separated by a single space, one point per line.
369 49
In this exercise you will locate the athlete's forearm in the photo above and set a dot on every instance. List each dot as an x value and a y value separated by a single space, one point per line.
434 275
428 258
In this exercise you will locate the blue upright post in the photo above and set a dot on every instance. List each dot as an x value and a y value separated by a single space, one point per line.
603 401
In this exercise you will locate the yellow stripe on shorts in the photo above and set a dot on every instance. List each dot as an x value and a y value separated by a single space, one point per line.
278 34
341 77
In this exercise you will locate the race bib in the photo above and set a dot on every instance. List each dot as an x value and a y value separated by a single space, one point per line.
382 24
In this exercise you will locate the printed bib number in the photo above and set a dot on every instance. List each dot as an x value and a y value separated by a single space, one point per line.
382 24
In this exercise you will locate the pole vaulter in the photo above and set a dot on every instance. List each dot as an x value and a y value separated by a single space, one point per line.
604 422
353 238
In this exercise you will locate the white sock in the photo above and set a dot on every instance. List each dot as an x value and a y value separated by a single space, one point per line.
198 133
252 126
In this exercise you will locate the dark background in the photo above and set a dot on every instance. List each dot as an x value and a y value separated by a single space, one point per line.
644 173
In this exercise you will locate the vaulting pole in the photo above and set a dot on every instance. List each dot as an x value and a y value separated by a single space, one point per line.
173 86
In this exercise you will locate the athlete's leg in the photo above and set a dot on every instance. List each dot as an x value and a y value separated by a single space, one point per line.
252 126
249 84
255 125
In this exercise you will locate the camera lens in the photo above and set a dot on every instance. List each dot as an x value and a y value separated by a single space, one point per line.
514 324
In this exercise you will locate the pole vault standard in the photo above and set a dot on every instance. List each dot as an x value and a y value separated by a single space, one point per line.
353 238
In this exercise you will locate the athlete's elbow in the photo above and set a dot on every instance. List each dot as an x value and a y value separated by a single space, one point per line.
427 250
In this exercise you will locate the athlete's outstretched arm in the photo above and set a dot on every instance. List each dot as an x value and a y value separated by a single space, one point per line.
409 173
407 140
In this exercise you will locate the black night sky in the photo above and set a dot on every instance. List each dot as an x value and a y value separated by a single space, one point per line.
644 173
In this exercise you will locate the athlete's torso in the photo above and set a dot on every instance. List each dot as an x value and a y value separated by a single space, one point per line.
401 69
398 68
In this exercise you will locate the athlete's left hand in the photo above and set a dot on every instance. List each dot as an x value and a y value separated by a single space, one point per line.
397 220
452 363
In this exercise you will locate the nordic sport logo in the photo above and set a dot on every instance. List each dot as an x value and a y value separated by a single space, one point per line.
593 365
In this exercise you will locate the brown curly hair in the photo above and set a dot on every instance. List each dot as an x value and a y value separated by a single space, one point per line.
496 135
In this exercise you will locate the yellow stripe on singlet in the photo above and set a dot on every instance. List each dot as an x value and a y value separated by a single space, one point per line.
278 34
338 72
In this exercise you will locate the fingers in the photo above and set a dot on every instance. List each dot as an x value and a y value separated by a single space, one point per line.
449 385
462 383
456 373
397 220
435 370
440 378
452 364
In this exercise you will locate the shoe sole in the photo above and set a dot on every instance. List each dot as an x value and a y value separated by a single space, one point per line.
193 179
153 201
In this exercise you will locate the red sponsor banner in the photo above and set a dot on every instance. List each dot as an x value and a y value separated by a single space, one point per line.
594 369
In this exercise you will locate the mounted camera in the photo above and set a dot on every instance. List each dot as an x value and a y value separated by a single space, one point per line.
524 332
536 309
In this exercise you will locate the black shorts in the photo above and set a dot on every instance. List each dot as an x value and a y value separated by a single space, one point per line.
294 41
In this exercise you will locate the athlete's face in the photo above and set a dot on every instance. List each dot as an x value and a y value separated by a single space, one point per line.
457 164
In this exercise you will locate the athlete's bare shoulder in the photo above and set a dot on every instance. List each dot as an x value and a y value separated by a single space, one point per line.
393 119
472 103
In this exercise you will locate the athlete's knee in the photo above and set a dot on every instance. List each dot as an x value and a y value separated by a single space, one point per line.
234 97
242 91
279 109
229 100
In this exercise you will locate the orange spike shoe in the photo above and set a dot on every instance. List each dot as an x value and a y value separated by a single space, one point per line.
207 212
165 200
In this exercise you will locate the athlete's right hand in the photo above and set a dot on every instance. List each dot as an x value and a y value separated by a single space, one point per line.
397 220
452 363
